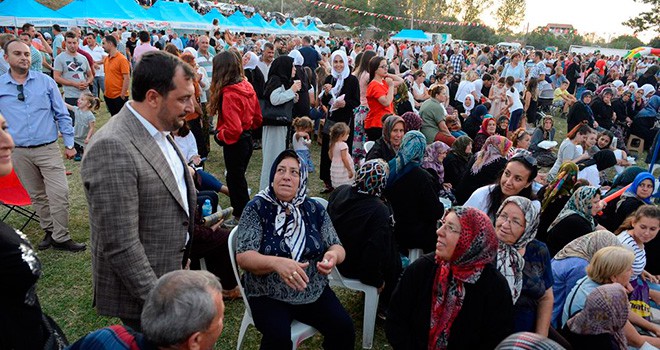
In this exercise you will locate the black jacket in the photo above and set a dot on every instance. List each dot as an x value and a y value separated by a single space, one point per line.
351 92
568 229
381 150
485 319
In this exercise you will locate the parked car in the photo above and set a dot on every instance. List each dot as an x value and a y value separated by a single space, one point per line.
338 26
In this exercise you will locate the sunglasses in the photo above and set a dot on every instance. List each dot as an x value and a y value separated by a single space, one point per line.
21 95
527 158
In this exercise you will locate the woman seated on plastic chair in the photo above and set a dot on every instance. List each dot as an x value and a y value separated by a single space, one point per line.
287 246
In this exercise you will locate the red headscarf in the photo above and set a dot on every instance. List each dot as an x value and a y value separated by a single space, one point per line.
484 126
476 247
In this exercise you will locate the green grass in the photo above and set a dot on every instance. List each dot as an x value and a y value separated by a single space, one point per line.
65 288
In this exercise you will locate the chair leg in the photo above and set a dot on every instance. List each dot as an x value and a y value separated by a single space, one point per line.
369 319
241 333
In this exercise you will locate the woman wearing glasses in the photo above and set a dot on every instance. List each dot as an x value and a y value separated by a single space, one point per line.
515 180
454 298
380 94
525 263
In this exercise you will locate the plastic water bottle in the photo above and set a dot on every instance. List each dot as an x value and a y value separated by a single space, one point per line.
206 208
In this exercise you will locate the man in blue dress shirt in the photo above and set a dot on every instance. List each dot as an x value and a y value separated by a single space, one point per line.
34 109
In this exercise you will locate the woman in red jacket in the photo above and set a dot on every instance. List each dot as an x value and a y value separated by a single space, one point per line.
234 101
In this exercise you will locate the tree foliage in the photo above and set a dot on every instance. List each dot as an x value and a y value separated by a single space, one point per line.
625 42
509 14
655 42
649 20
540 38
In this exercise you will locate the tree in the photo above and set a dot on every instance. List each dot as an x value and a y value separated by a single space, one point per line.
467 10
655 42
646 20
625 42
510 14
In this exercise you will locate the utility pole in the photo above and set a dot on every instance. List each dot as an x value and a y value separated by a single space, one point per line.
282 6
412 14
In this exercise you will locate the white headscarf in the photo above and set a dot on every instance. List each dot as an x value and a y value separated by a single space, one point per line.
648 88
298 59
340 76
252 63
468 108
191 50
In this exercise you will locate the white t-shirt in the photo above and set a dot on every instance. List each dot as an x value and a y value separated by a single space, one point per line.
515 96
479 199
97 55
464 88
590 174
187 145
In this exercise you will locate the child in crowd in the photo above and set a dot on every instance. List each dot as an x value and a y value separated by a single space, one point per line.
634 233
562 98
341 170
304 128
514 103
85 121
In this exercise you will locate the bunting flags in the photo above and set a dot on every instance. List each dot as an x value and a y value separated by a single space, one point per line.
386 17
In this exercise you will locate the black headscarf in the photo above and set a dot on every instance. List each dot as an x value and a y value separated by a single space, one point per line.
279 75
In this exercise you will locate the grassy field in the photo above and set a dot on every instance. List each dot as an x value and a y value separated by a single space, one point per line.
65 288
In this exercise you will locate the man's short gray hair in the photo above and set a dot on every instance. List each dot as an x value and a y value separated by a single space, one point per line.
181 303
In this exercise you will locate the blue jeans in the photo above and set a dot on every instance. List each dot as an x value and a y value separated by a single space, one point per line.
98 85
514 123
208 182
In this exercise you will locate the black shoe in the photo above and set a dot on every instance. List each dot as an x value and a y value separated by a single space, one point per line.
46 242
327 190
69 245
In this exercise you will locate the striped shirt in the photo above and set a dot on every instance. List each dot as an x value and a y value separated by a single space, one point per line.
206 63
640 255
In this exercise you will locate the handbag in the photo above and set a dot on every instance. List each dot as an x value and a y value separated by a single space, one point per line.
55 337
280 115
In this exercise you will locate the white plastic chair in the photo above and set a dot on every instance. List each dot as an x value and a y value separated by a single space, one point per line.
299 330
370 296
368 145
370 304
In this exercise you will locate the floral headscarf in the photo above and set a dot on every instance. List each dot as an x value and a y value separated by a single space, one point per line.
562 185
580 204
605 312
509 261
371 178
460 145
586 246
476 247
430 160
408 157
412 121
494 148
293 230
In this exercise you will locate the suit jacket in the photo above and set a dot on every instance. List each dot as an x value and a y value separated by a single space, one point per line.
137 216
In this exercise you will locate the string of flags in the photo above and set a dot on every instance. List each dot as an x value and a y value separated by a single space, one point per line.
387 17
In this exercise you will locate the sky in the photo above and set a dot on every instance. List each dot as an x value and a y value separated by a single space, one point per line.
600 17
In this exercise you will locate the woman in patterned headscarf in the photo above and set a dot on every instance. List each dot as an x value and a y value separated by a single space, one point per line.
411 192
458 286
600 324
287 246
576 219
525 263
433 161
485 167
363 221
569 265
554 196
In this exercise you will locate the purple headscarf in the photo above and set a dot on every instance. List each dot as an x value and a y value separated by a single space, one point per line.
430 160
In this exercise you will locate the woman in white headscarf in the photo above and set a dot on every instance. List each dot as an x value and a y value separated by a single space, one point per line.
341 95
254 75
302 103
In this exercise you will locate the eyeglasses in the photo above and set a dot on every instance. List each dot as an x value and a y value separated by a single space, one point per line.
450 227
384 67
512 222
21 95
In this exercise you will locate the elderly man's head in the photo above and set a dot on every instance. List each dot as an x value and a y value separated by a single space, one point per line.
184 311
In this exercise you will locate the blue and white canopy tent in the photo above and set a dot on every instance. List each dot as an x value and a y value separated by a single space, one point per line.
245 25
179 15
18 12
107 13
223 22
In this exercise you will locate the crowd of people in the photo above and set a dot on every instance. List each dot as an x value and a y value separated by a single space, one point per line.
445 149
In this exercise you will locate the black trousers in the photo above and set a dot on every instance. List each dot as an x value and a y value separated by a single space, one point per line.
114 104
237 158
201 136
74 102
273 319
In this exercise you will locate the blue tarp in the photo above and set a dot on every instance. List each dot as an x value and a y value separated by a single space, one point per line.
273 24
311 28
122 10
260 22
411 35
288 27
180 15
18 12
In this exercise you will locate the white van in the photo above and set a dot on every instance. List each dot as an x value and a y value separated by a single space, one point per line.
509 46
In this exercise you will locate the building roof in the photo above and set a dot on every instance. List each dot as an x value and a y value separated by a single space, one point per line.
559 25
